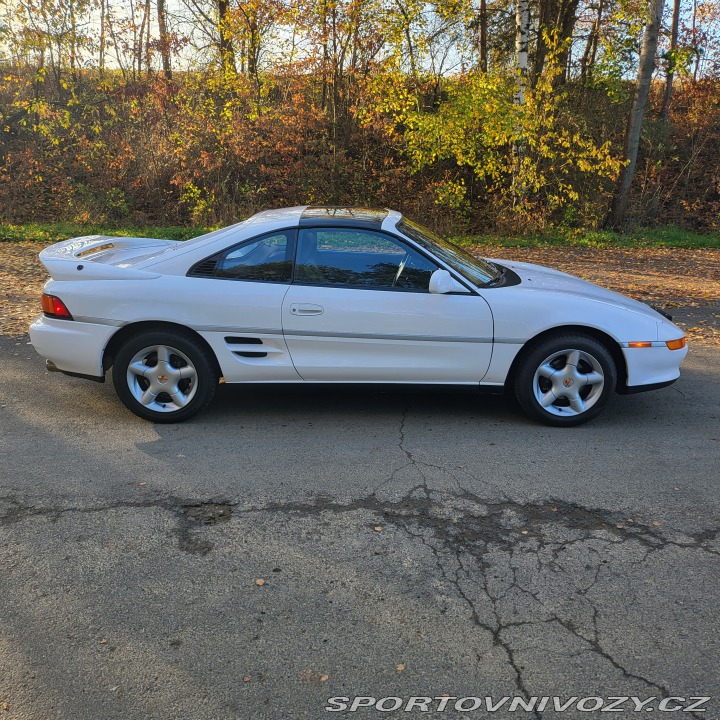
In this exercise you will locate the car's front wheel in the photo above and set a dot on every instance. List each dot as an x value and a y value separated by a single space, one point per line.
164 376
566 379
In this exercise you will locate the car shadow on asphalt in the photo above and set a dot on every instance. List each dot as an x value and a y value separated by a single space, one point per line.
359 399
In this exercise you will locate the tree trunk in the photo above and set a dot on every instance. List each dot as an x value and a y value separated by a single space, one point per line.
546 12
326 56
73 40
567 17
148 54
164 39
696 50
116 44
407 31
522 33
227 51
101 48
138 42
672 61
587 63
555 19
637 111
483 36
253 51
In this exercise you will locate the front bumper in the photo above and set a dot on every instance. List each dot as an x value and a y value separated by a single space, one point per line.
644 388
651 368
73 347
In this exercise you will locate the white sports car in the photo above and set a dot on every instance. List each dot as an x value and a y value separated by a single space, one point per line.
340 295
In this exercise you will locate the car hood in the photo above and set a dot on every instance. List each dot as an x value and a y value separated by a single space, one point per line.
538 277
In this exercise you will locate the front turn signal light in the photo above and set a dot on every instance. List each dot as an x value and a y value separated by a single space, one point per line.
54 307
678 344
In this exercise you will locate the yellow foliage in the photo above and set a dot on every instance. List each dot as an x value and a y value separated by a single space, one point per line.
534 151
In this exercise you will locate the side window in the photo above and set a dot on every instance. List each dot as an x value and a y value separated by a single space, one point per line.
267 258
359 258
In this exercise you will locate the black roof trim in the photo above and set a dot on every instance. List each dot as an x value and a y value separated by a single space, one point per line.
329 216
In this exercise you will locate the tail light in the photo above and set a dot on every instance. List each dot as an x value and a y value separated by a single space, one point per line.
54 307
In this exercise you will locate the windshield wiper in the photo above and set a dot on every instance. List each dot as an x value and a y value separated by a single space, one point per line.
501 272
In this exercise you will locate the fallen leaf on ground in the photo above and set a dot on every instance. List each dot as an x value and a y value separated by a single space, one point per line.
314 676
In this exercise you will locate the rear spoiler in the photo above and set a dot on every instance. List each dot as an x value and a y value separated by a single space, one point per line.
87 257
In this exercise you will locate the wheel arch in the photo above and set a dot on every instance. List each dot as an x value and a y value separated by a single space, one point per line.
127 331
608 341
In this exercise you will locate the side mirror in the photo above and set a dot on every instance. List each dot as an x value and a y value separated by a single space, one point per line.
441 282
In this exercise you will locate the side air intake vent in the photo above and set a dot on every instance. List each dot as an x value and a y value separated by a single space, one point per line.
205 268
238 345
243 341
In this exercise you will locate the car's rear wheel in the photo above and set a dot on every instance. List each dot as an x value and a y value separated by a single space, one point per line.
566 379
164 376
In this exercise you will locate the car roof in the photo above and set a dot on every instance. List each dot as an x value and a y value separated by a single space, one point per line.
321 215
270 221
326 215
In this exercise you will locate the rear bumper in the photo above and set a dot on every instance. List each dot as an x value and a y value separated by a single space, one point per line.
50 366
71 346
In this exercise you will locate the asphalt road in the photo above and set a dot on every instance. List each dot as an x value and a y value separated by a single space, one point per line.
412 543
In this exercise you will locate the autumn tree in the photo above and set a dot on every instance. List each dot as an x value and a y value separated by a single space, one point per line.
476 113
637 112
672 58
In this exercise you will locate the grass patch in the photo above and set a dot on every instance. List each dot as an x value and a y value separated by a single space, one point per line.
48 233
666 237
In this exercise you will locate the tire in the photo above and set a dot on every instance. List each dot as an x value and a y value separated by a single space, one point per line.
565 380
165 376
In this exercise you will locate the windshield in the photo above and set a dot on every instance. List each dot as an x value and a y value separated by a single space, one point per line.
478 272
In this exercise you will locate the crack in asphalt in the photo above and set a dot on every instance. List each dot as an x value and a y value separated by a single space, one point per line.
414 462
403 449
190 515
455 527
495 630
464 533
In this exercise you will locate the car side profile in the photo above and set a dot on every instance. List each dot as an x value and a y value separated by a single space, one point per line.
340 295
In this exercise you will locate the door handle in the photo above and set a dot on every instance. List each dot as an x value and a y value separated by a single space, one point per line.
306 309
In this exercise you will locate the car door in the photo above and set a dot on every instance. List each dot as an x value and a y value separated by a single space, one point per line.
236 305
359 309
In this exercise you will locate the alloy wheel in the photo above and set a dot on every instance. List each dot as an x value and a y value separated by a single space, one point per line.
162 378
569 382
